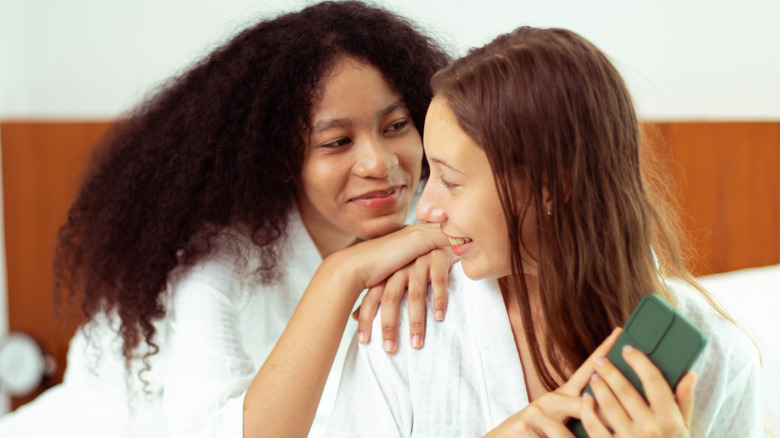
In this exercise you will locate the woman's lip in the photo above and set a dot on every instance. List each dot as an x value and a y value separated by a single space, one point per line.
460 245
379 199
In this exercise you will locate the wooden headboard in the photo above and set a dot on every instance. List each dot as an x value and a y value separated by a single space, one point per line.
727 177
727 180
42 162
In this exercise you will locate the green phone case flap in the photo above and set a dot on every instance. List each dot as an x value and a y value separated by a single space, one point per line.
648 324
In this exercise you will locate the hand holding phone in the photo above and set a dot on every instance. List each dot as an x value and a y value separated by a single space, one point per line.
668 339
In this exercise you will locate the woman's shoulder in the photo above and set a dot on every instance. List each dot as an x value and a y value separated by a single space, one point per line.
728 385
468 366
474 307
235 266
228 259
729 367
726 339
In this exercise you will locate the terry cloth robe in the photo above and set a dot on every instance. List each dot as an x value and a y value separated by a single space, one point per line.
220 327
468 378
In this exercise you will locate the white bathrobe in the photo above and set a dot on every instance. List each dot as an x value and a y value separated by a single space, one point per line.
468 378
220 327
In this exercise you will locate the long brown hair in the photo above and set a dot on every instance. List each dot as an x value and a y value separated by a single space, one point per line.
550 110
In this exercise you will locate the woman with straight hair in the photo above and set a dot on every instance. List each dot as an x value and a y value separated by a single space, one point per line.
539 182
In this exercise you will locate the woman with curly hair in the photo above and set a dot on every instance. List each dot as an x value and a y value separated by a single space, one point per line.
208 209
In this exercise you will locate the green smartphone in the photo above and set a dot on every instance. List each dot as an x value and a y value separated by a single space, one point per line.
670 341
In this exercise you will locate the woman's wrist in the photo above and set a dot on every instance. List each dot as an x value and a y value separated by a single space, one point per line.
342 272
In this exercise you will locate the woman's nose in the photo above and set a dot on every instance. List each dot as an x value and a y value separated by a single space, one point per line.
375 159
427 208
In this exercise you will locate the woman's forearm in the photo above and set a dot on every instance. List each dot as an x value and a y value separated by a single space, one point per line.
283 398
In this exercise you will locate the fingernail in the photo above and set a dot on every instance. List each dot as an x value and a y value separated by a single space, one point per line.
595 377
599 361
388 345
416 341
361 337
439 316
627 348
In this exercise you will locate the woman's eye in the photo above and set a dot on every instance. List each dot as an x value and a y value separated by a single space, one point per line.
445 183
337 143
397 126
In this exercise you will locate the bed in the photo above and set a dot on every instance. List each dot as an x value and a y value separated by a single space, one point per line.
752 297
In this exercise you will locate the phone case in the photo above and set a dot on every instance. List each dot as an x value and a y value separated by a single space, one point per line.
670 341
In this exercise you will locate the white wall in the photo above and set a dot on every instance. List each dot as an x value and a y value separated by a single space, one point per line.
682 59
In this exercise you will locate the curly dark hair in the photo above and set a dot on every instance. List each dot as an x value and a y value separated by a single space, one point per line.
219 146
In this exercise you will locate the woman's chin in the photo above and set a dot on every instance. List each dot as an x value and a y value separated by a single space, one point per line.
481 271
380 226
473 272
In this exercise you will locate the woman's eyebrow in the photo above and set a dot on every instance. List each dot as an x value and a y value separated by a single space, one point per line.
325 124
398 104
445 164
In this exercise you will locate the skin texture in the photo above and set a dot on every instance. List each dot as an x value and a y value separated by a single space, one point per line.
362 165
221 146
559 130
417 275
280 400
363 159
462 198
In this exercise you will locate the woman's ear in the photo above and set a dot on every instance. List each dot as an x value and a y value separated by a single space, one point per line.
547 198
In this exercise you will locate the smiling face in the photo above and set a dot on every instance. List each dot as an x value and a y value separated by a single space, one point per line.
363 158
461 196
